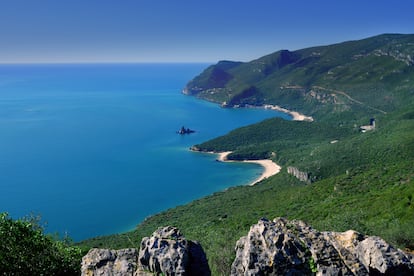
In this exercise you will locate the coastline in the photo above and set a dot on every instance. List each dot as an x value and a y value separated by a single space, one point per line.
296 116
270 167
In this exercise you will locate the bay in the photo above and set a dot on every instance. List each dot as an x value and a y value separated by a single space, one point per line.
93 148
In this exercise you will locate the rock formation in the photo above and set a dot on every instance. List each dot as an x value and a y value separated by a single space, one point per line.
278 247
166 252
184 130
282 247
110 262
302 176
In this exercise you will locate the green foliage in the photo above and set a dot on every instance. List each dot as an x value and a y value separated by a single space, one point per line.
312 265
25 250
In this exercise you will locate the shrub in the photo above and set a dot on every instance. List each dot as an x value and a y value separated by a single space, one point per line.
25 250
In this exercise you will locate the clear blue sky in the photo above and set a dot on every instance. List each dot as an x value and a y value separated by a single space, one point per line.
186 30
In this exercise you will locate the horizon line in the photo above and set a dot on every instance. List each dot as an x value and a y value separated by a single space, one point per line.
103 62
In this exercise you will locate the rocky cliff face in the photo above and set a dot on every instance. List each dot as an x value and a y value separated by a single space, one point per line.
278 247
302 176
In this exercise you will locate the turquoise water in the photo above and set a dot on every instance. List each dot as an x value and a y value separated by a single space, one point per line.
93 148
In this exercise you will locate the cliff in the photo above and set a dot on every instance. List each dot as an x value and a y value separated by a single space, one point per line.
302 176
278 247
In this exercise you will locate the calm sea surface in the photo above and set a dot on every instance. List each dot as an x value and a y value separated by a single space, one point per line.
93 148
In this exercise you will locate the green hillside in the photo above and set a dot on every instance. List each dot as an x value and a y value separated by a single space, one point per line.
373 75
360 181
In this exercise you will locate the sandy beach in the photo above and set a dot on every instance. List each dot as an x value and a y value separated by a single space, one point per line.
270 167
295 115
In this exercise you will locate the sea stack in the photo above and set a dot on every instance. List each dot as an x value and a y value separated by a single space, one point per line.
184 130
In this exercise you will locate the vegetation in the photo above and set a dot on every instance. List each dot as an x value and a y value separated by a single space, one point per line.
364 182
369 76
25 250
361 181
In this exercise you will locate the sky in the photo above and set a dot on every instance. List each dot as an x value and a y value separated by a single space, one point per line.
62 31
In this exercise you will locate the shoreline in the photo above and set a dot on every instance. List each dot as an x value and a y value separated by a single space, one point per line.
270 167
296 116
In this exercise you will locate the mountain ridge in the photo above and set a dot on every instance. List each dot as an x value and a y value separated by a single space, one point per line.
317 80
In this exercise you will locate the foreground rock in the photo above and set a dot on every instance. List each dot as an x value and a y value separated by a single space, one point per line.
110 262
282 247
166 252
169 253
278 247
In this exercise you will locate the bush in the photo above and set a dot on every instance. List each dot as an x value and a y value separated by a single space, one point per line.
25 250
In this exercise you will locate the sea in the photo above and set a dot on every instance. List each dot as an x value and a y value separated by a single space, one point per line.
93 148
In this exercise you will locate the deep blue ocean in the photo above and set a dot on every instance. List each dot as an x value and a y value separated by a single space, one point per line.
93 148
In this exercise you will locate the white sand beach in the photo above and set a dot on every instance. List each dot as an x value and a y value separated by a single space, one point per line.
295 115
270 167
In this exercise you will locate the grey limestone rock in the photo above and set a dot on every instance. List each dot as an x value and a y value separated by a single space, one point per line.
278 247
382 258
168 252
110 262
270 250
282 247
302 176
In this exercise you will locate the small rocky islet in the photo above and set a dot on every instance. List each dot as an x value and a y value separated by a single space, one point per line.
183 130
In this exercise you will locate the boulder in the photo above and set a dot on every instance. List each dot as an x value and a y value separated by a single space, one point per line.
283 247
167 252
382 258
108 262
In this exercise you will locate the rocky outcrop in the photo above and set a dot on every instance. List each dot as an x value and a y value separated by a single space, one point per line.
110 262
282 247
302 176
278 247
166 252
169 253
184 130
